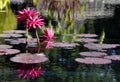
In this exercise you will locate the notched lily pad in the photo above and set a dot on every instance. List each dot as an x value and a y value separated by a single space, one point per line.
86 40
29 58
89 60
93 54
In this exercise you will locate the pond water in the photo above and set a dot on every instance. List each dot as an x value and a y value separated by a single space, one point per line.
61 66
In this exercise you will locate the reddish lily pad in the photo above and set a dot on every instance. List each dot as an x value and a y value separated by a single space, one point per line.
29 58
113 57
89 60
4 46
93 54
87 35
8 51
64 45
10 35
14 31
95 46
86 40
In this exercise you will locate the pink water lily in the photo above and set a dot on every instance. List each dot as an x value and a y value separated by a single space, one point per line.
26 13
34 22
49 33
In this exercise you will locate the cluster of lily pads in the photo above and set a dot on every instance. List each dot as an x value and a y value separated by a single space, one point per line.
97 53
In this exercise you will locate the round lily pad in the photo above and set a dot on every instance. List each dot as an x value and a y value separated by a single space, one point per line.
23 40
29 58
86 40
64 45
9 51
87 35
113 57
10 35
68 34
4 46
14 31
95 46
28 39
93 54
89 60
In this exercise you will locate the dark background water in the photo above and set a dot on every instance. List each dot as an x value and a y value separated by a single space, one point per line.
111 25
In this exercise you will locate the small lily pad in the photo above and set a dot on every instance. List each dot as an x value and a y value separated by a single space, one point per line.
86 40
95 46
89 60
69 34
14 31
10 35
4 46
23 40
113 57
64 45
87 35
93 54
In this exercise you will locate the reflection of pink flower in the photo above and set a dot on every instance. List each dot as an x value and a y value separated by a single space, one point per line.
29 71
49 33
26 13
34 22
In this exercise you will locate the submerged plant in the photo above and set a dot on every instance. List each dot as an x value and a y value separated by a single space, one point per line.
102 37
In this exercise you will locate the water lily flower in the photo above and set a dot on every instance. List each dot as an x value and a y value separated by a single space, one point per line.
34 22
49 33
28 71
26 13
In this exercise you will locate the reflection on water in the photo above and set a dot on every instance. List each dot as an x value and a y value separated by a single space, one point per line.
7 20
61 67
